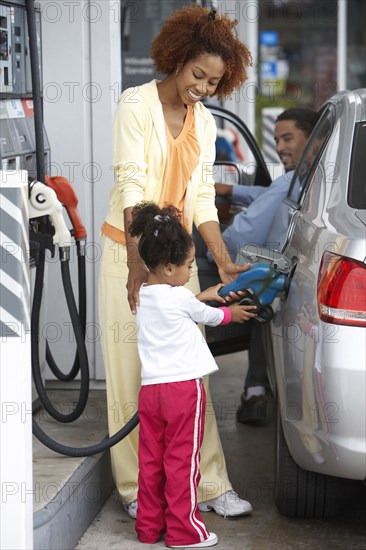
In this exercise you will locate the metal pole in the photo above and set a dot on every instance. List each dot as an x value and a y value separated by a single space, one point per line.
342 46
243 103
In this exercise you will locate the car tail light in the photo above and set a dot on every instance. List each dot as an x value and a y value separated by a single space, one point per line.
342 291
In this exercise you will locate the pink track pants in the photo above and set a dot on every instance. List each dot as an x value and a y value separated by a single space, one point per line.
171 431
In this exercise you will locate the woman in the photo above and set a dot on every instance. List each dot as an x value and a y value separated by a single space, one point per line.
164 148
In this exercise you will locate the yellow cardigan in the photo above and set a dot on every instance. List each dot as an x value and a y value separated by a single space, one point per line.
140 152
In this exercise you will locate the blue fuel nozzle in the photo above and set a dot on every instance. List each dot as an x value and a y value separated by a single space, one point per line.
262 279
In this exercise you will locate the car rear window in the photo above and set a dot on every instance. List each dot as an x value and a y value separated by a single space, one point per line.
357 177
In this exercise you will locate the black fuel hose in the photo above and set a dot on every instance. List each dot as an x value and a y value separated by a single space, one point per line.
105 444
79 336
41 435
82 316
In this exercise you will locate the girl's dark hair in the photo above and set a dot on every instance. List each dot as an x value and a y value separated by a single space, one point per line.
192 31
163 239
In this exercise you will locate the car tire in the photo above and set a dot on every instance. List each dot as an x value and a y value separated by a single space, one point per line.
298 492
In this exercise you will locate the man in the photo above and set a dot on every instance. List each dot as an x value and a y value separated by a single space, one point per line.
265 223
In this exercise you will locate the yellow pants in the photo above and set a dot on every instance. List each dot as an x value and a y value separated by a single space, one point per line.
123 380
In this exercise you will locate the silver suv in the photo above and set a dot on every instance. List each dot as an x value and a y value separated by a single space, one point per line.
316 341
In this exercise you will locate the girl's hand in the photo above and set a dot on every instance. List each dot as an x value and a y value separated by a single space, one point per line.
211 294
137 275
240 314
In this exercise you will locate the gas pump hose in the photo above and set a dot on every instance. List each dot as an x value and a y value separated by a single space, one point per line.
82 359
105 444
82 316
79 337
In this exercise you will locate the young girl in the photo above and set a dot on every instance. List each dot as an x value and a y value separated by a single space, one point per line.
174 357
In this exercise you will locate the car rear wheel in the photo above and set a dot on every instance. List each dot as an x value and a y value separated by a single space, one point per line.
299 493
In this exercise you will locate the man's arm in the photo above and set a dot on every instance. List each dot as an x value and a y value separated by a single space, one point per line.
240 194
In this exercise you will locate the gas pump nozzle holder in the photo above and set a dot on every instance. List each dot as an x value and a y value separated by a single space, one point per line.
43 201
48 199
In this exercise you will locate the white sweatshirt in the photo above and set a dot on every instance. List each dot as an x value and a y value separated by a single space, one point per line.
171 346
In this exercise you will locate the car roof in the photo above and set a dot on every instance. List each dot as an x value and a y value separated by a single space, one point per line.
349 98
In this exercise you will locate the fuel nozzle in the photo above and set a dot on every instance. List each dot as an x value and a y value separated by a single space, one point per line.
67 196
261 283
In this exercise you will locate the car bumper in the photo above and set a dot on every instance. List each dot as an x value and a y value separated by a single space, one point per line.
327 431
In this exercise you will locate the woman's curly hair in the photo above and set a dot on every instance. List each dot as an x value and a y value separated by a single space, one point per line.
163 239
192 31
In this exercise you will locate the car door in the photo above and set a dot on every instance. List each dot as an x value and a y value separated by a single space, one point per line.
253 171
292 354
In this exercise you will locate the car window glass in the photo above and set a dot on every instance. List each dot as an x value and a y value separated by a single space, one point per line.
236 145
234 162
310 158
356 188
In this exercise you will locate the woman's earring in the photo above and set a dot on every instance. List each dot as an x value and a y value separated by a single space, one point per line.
177 71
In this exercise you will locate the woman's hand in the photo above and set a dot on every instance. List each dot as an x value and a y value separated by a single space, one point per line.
233 270
137 275
229 271
137 271
240 314
223 189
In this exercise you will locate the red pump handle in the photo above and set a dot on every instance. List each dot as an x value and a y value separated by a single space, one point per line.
67 196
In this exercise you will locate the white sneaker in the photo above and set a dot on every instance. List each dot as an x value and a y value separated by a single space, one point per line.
211 541
228 504
131 509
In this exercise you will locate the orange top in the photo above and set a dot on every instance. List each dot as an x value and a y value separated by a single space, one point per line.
182 158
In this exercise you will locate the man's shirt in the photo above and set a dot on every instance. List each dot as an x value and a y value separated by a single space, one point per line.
264 222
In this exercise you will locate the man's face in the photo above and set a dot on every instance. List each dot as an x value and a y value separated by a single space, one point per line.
290 143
